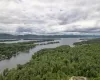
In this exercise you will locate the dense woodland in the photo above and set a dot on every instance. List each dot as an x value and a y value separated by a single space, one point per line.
88 41
12 49
59 64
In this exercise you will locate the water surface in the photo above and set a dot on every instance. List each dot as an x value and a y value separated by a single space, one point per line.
23 58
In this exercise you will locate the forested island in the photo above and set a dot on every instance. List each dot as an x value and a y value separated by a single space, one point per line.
90 41
60 63
12 49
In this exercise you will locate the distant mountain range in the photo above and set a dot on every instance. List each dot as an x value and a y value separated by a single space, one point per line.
32 36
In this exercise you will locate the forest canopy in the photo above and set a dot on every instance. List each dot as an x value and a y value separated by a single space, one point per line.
59 64
11 49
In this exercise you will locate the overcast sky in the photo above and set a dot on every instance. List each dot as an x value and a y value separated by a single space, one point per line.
50 16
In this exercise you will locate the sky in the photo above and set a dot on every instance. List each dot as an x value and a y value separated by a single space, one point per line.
50 16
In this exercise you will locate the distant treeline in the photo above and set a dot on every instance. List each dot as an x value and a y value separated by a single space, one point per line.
35 40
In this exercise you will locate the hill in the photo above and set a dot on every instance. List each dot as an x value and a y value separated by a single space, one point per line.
32 36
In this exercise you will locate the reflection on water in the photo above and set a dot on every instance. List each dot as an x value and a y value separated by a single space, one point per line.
23 58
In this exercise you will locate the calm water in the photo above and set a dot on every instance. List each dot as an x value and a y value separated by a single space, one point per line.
23 58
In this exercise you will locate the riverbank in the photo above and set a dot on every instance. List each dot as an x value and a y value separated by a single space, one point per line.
12 49
24 57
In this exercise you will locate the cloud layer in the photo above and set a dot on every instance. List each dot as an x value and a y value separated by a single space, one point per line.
50 16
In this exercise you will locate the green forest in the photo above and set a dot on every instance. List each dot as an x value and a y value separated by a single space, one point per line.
60 63
12 49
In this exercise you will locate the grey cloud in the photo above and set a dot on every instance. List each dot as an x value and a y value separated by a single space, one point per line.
72 16
23 30
50 16
89 30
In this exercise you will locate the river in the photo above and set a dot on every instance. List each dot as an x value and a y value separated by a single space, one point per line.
23 58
